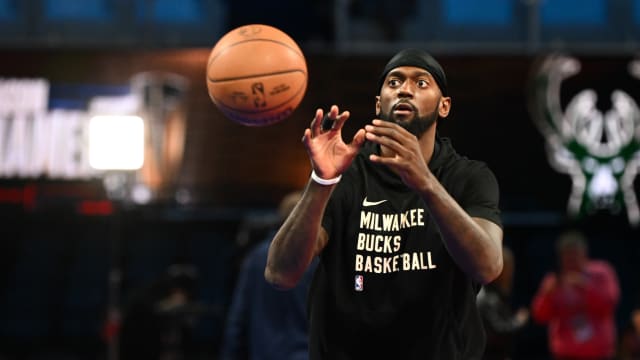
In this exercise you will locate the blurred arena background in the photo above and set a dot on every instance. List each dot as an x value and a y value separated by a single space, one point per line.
78 244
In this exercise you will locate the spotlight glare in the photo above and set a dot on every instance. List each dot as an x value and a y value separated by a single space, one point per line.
116 142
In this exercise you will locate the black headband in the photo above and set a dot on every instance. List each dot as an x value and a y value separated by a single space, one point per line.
417 58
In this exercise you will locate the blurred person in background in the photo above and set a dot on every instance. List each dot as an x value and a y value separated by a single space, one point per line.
501 322
630 342
159 319
578 302
265 323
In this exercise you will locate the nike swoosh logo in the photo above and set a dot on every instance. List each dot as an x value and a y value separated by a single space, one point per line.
366 203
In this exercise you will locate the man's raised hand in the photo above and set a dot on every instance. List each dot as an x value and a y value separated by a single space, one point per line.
330 156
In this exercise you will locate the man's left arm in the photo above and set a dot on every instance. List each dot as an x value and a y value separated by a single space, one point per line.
474 243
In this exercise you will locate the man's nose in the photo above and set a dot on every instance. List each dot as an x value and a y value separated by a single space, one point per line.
405 90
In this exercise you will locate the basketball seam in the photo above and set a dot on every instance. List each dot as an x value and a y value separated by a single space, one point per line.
258 39
254 75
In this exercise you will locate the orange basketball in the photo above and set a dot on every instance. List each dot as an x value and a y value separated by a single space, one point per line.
256 75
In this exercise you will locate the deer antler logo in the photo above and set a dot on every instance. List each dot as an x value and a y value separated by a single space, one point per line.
600 151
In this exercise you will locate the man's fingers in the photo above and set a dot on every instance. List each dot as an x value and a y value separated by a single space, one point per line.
389 129
389 161
388 141
333 111
306 137
316 123
358 140
332 119
340 119
387 124
327 123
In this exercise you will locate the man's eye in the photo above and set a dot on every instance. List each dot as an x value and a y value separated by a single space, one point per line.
423 83
394 82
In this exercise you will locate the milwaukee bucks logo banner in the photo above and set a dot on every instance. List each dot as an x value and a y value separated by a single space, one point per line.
598 148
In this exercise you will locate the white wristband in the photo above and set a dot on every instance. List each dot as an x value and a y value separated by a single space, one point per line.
322 181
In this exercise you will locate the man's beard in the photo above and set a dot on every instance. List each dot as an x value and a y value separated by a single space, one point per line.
417 125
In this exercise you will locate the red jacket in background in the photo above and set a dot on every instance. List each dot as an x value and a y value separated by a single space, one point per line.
581 318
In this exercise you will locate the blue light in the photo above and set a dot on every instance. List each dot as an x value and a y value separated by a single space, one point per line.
170 11
573 12
80 10
473 12
8 11
77 96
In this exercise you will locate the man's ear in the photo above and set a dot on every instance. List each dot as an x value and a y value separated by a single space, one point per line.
444 107
378 105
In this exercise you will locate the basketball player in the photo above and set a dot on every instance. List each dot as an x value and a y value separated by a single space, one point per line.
406 229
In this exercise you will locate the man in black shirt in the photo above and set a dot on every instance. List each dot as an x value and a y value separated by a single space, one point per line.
406 229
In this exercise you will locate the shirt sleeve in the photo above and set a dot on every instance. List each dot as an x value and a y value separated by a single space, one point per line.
481 195
602 290
542 305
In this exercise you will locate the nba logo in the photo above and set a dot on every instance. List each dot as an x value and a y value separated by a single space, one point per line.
359 283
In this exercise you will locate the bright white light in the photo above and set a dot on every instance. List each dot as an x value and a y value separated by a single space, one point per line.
116 142
141 194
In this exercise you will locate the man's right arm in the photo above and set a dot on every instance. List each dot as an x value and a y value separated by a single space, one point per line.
299 239
302 236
